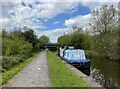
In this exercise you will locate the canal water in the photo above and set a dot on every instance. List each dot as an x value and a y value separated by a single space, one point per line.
106 72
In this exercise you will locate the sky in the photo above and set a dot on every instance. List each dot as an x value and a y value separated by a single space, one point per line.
52 19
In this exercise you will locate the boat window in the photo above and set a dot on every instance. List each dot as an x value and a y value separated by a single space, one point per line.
78 55
67 54
64 53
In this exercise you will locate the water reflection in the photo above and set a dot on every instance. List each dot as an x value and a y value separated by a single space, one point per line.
108 69
85 71
104 71
101 79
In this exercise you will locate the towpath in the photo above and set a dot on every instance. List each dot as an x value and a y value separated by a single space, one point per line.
35 74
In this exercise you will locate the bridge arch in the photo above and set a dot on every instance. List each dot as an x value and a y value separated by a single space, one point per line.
53 47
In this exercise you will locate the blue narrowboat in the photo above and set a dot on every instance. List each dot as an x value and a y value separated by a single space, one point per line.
76 57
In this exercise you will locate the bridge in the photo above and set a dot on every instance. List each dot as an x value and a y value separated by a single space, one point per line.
51 45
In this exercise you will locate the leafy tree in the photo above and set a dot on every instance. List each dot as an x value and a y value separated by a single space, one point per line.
4 33
43 39
16 46
16 34
31 38
104 25
64 40
104 19
78 39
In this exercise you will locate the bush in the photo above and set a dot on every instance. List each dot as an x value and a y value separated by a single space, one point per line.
16 46
8 62
15 50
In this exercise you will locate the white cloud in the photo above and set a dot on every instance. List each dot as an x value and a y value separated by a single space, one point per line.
62 0
26 16
16 14
93 5
6 7
79 21
54 33
36 27
83 20
50 9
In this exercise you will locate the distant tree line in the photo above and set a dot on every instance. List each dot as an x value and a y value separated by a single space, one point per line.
102 38
78 39
18 45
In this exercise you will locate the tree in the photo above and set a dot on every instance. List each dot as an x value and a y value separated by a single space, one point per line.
15 48
43 40
65 40
104 25
4 33
104 19
16 33
31 38
78 39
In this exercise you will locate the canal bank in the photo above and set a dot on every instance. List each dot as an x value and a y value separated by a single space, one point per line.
92 83
61 69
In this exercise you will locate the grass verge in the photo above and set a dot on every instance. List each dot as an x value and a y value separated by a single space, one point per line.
61 75
9 74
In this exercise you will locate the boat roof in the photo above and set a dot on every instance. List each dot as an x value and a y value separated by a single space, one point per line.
75 50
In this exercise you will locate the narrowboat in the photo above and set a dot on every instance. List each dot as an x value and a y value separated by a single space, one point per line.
75 57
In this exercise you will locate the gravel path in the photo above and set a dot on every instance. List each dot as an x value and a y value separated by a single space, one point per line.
35 74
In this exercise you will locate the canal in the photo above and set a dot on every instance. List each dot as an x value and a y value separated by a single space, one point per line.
104 71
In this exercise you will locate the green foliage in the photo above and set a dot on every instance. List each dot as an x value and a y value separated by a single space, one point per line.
15 49
4 33
104 25
106 45
42 40
31 38
78 39
16 46
64 40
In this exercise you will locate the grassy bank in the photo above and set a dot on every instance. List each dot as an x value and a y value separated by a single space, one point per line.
9 74
61 75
